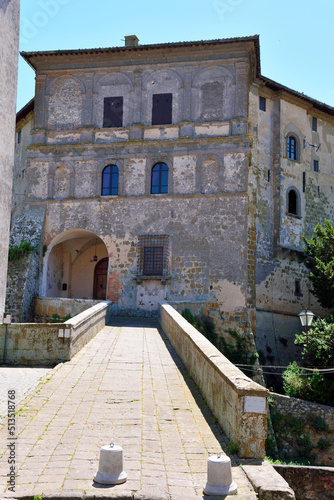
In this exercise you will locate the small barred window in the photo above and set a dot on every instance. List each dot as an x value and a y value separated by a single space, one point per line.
153 256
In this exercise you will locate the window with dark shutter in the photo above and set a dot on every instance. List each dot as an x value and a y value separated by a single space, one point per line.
113 112
316 165
162 109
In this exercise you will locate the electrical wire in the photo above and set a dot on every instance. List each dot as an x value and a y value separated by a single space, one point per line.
331 369
260 371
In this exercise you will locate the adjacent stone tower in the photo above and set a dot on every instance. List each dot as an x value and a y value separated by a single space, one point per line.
9 49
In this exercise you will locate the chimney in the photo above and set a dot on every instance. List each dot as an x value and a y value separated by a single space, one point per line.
131 41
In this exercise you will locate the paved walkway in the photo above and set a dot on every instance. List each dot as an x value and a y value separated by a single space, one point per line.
128 386
23 379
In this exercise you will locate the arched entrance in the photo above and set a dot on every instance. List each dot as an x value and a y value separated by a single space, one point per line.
100 279
70 263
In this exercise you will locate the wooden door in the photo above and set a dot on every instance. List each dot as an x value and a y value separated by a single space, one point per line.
100 280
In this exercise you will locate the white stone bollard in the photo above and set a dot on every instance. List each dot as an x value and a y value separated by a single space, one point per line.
111 465
219 476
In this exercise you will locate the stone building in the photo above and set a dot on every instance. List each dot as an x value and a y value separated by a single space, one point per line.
173 172
9 43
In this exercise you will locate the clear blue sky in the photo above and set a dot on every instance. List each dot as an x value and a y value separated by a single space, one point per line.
296 37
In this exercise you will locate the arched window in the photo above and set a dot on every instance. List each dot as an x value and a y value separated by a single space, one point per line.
293 202
159 179
292 148
110 181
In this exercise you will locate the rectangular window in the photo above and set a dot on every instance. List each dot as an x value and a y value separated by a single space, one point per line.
19 136
113 112
314 124
162 109
316 165
153 261
153 256
262 103
298 290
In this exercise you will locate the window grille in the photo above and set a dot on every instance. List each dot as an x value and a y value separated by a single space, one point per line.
153 256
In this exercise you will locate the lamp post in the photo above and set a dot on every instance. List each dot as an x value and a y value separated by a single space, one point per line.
306 318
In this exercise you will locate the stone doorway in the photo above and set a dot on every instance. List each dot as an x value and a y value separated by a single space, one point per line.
100 279
69 267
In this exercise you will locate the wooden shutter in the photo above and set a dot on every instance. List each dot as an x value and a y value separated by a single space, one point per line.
113 112
162 109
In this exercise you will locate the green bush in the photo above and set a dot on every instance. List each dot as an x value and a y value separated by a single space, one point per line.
305 447
56 318
237 352
16 252
324 444
203 324
308 385
319 424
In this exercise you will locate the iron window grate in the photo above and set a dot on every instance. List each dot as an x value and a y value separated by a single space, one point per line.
153 256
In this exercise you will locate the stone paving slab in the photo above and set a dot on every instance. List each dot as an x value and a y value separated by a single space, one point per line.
23 379
129 387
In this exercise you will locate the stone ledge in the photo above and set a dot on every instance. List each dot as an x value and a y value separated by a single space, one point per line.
268 483
309 482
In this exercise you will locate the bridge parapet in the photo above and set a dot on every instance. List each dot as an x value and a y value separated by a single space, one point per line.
238 403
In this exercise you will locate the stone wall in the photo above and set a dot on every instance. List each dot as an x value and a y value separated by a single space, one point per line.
9 42
199 265
309 483
45 308
22 286
23 274
303 430
45 344
239 404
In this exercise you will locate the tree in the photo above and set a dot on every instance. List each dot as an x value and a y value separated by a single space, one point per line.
318 352
319 259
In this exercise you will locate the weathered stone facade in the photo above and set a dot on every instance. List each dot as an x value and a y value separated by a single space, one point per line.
282 286
223 221
9 43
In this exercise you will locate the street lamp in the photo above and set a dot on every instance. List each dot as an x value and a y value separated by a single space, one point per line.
306 318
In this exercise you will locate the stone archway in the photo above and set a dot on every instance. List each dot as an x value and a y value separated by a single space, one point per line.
69 265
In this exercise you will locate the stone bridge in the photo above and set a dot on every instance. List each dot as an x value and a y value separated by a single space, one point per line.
129 385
